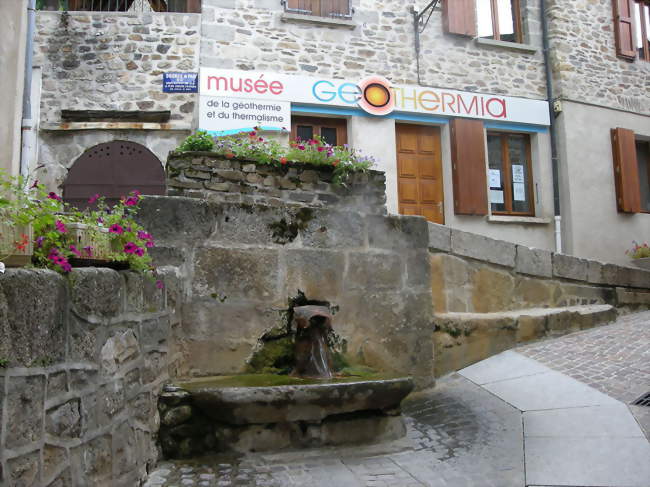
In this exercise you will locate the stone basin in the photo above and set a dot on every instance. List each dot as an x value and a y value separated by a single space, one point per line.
245 413
309 401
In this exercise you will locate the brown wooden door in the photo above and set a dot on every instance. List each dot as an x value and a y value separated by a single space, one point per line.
419 167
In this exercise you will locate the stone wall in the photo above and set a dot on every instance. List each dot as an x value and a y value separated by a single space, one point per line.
256 35
490 295
110 61
216 178
585 65
83 361
240 264
114 61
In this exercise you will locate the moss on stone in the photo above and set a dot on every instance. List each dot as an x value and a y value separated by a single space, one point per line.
273 357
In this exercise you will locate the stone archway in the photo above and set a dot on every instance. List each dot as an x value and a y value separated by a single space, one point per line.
112 170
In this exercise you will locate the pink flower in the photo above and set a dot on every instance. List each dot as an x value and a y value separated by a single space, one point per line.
301 147
131 201
89 251
139 251
60 226
143 235
54 196
160 284
321 149
130 247
93 198
74 250
149 244
115 228
312 142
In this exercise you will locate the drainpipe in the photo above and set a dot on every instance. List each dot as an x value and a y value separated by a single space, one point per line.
553 131
28 133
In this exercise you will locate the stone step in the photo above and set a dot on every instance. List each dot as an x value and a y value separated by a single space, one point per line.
461 339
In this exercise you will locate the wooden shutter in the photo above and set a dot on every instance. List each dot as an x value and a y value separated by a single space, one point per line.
194 6
626 171
335 8
459 17
624 28
468 166
305 5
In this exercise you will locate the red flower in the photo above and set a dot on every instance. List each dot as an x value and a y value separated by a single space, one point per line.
252 134
115 228
283 161
336 163
321 149
229 155
22 243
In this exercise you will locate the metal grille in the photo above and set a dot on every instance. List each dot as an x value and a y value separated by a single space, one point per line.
643 400
136 6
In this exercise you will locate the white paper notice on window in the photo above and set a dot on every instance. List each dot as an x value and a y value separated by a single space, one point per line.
495 178
496 196
519 191
517 173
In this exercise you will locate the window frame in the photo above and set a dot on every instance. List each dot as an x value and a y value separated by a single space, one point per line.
506 178
317 123
639 141
645 35
316 10
517 22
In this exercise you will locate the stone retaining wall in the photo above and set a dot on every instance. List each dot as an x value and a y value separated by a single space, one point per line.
84 359
213 177
240 264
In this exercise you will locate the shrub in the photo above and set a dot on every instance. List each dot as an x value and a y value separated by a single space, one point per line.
638 251
200 141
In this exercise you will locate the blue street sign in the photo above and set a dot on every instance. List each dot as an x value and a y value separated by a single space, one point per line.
180 83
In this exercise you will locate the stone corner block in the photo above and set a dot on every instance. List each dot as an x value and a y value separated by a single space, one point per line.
569 267
439 237
534 262
483 248
96 291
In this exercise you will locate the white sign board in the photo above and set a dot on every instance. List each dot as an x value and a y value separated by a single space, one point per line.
519 191
346 93
517 173
224 116
496 196
495 178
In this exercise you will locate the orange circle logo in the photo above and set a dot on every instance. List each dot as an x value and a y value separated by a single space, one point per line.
376 96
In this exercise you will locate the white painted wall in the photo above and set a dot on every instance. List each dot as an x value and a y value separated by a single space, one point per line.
593 227
376 136
12 66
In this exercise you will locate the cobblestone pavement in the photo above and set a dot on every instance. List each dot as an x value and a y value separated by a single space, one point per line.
459 435
615 359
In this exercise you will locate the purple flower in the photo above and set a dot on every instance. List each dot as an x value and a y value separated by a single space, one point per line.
89 251
143 235
130 248
39 242
160 284
54 196
60 226
139 251
149 244
93 199
75 251
115 228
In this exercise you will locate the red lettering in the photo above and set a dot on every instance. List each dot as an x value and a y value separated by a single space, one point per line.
473 106
261 86
217 80
501 103
276 87
232 85
451 103
248 85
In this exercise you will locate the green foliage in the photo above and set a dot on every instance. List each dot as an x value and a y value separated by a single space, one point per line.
274 357
125 240
4 363
343 160
639 251
201 141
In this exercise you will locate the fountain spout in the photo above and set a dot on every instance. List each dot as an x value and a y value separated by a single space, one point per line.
312 353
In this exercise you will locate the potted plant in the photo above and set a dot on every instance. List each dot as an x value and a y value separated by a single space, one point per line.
640 255
16 246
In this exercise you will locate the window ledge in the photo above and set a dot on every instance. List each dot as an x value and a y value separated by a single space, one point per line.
529 220
115 126
314 19
513 46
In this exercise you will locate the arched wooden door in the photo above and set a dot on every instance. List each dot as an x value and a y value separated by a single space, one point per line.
113 170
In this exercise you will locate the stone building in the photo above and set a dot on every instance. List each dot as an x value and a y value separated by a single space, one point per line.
467 144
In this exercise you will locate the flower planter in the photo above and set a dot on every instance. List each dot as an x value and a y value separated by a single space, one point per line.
93 244
16 245
643 263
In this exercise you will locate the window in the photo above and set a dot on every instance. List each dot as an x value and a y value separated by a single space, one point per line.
510 174
321 8
642 28
643 162
332 130
499 20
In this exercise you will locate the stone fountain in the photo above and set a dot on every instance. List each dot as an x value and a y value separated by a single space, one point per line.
310 407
